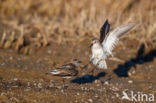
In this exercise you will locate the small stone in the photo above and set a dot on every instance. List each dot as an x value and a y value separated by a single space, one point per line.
98 85
62 91
39 85
129 74
133 72
35 84
59 87
49 51
51 85
15 79
117 95
96 96
106 83
97 81
11 58
130 81
77 93
90 100
28 84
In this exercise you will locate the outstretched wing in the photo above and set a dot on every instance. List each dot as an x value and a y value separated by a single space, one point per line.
112 38
104 30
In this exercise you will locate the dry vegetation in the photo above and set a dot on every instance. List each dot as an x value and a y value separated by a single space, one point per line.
27 24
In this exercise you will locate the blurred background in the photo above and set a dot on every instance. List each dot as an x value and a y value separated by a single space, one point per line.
39 23
37 35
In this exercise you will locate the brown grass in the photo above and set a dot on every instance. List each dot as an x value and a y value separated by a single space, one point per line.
29 24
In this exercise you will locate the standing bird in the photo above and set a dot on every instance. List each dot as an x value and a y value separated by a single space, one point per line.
66 70
103 47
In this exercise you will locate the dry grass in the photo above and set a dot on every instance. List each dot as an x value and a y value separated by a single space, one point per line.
29 24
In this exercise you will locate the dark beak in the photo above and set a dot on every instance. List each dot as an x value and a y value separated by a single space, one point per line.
91 45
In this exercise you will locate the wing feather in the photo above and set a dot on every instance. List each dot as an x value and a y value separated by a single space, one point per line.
113 37
104 30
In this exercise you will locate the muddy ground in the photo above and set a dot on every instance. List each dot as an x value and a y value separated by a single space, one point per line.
23 79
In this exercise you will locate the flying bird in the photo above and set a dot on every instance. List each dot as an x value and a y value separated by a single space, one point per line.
102 48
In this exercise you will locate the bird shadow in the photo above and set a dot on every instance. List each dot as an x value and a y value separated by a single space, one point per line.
141 58
88 78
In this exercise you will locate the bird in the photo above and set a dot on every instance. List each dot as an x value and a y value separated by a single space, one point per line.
66 71
102 48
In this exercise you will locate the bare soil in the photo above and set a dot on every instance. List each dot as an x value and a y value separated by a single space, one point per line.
39 35
23 79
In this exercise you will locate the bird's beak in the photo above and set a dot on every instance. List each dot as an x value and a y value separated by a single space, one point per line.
91 45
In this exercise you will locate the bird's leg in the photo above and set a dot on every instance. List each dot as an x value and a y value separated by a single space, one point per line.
99 62
86 65
92 71
112 55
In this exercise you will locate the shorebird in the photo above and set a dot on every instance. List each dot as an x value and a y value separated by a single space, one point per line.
102 48
66 71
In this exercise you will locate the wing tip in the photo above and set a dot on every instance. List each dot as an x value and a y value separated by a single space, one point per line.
53 72
132 25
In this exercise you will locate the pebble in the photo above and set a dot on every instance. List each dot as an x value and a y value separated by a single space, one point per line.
117 95
77 93
35 84
49 51
39 85
133 72
28 84
11 58
96 96
106 83
15 79
59 87
97 81
62 91
90 100
129 74
51 85
130 81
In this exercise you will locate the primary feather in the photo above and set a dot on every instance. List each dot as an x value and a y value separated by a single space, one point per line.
104 30
113 37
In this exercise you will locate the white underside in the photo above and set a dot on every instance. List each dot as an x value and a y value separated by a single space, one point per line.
98 58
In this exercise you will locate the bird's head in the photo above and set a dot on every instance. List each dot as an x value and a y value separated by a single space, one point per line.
94 41
76 62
